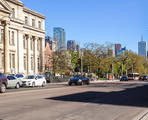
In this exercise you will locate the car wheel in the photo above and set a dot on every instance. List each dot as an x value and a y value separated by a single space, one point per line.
69 83
17 86
81 83
43 84
2 88
33 84
87 83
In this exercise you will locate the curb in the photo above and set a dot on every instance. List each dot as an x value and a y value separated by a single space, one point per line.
142 116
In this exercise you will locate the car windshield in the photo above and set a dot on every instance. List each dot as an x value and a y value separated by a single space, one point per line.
30 77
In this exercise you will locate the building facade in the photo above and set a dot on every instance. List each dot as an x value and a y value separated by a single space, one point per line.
52 44
48 58
59 37
71 45
22 39
142 48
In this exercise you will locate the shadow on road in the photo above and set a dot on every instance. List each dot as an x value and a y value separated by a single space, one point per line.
137 97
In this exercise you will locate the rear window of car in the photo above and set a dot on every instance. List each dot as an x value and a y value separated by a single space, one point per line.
29 77
19 76
10 77
40 77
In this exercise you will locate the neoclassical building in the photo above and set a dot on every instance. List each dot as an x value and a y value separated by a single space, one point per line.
22 39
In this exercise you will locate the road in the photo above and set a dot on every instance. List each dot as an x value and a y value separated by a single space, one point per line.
98 101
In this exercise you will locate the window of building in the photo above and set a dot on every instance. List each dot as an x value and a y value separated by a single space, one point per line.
38 62
33 22
31 44
26 20
13 12
24 42
32 63
1 35
2 60
13 60
12 42
25 65
10 60
38 44
39 23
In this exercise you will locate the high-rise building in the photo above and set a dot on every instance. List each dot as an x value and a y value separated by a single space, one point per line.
71 45
78 48
117 48
142 48
59 37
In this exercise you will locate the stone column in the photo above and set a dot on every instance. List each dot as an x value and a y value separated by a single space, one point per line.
6 48
35 56
28 54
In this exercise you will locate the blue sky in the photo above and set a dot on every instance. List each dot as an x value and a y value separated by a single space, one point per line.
100 21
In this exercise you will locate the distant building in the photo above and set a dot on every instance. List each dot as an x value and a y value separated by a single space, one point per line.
142 48
48 58
59 37
78 48
53 44
71 45
117 48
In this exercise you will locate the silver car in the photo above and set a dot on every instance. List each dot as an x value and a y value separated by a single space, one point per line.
13 82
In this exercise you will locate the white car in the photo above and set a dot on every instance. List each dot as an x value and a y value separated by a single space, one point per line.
34 80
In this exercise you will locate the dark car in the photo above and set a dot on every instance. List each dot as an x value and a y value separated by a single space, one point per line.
78 80
141 77
124 78
3 83
48 76
145 77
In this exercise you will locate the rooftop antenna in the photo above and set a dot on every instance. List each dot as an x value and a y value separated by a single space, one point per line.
141 37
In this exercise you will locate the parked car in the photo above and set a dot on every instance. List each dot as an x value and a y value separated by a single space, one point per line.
34 80
145 77
48 77
78 80
141 77
3 83
13 82
124 78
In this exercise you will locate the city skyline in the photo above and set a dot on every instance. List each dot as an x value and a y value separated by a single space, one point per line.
96 21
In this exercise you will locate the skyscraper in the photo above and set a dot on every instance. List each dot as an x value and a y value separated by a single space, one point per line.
142 48
59 37
71 45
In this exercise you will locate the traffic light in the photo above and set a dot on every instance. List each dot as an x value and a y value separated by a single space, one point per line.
79 62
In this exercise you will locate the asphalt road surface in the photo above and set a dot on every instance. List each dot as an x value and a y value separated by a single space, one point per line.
98 101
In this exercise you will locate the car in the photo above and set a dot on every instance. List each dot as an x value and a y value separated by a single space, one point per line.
78 80
3 83
124 78
48 77
145 77
33 81
13 82
140 77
